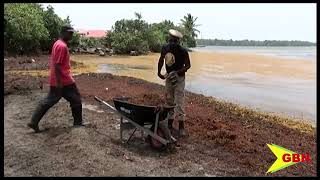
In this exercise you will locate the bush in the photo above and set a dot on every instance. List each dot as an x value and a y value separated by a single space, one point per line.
24 28
124 43
136 35
53 24
158 34
28 28
129 35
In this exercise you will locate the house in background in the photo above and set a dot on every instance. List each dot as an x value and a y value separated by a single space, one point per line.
93 33
93 47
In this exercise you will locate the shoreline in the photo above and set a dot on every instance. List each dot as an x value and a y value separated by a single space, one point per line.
212 122
246 108
245 75
91 63
261 51
232 62
283 119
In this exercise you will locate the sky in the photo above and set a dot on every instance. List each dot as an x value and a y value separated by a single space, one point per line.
273 21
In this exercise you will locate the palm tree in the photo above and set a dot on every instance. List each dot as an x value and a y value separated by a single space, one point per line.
188 23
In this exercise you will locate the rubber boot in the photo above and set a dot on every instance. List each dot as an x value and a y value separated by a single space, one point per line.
36 117
35 127
77 116
182 131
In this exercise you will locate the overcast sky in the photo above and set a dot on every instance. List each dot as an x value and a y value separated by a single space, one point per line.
221 21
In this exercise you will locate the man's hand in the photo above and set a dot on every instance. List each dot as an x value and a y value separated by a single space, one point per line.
161 76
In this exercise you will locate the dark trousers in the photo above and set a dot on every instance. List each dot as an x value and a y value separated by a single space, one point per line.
70 93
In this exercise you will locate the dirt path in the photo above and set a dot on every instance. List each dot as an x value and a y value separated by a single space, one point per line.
94 151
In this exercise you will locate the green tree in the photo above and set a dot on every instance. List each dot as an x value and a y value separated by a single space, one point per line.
136 35
129 35
25 28
67 21
189 30
29 28
138 15
75 41
53 23
90 42
158 34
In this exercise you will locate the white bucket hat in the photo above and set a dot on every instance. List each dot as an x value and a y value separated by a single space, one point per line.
175 33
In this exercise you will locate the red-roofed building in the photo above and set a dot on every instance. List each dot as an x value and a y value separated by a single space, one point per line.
93 33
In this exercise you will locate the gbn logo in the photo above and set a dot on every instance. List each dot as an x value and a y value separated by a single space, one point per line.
296 157
286 158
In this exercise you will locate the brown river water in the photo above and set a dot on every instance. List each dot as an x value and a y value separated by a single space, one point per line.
265 83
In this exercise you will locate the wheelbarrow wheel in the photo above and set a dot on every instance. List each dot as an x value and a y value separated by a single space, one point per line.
154 143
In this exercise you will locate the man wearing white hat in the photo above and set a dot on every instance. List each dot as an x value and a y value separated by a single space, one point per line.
177 63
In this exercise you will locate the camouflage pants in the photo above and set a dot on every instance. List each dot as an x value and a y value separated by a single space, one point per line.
175 96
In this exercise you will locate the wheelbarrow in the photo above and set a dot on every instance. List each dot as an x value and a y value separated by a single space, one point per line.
142 116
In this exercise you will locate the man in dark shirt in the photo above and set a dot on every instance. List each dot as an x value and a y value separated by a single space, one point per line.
177 63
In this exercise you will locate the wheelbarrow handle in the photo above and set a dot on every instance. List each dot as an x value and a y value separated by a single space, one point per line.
98 99
105 103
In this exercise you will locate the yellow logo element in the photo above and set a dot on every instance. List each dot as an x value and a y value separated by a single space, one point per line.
285 158
169 58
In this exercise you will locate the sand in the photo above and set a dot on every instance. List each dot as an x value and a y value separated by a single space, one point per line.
221 63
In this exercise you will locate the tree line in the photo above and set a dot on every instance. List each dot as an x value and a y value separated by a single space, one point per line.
31 28
137 35
218 42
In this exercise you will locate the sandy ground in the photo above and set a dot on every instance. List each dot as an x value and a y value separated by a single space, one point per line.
225 140
219 63
95 151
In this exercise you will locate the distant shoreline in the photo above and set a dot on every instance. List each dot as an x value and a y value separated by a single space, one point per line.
266 43
252 46
287 52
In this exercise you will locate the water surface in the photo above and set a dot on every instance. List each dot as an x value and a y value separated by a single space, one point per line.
280 85
305 52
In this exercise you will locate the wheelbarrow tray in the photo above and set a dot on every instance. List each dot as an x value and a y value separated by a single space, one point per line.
141 114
